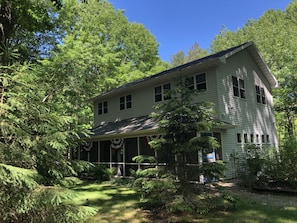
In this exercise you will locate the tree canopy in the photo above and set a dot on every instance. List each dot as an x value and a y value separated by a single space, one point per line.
194 53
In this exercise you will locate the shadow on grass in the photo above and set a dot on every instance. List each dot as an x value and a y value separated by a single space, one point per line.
114 203
251 212
120 204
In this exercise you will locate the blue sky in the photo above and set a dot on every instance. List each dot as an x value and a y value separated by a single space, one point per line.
178 24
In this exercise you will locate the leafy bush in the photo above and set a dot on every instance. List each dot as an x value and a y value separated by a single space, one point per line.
280 165
271 167
98 173
251 166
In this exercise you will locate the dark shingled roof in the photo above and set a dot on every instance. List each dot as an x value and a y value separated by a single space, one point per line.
125 126
199 61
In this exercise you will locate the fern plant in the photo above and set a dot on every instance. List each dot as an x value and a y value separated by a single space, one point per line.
24 200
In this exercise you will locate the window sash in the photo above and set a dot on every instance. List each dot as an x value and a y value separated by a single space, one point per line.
162 92
238 87
102 108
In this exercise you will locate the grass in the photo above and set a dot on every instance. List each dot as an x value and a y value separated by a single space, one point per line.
114 203
119 204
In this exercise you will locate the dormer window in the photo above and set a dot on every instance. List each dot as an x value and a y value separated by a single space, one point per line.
102 108
161 92
126 102
238 87
197 82
260 95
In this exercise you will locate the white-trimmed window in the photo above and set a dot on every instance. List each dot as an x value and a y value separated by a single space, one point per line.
161 92
197 82
102 107
260 95
126 102
263 138
252 137
267 139
239 139
238 87
245 138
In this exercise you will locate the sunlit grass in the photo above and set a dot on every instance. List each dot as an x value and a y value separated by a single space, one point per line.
119 204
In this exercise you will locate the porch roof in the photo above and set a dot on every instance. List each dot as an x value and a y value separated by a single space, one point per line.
126 127
142 125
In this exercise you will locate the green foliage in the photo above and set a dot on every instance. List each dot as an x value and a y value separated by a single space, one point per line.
270 167
274 33
194 53
170 186
279 165
98 173
24 200
156 187
252 166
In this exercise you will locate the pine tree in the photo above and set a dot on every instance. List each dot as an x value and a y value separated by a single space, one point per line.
179 121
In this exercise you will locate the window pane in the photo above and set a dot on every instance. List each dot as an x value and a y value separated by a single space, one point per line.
129 104
257 89
166 88
190 82
245 138
235 91
99 108
242 93
122 103
200 78
234 81
158 90
105 107
201 87
258 98
252 138
238 137
267 139
241 83
129 98
158 93
158 97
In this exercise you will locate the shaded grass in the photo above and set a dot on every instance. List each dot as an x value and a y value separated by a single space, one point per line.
116 203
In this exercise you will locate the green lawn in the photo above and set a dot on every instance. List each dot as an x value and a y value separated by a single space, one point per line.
119 204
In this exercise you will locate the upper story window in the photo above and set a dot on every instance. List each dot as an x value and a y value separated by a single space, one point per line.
197 82
126 102
102 108
161 92
260 94
238 87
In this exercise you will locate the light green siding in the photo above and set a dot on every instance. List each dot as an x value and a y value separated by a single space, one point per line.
245 115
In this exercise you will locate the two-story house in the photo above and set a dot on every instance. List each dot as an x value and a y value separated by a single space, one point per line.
236 80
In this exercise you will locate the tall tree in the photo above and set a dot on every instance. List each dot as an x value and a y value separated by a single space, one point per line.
194 53
178 59
103 46
179 120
